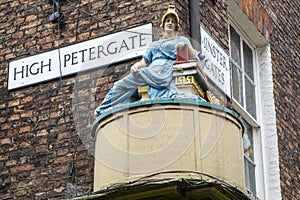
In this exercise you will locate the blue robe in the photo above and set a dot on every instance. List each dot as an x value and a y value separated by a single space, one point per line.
158 75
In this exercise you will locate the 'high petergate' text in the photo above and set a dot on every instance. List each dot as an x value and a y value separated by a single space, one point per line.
100 51
32 69
79 57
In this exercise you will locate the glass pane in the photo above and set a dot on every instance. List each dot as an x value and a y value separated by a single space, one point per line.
248 141
235 46
237 84
248 60
249 158
250 98
250 176
247 173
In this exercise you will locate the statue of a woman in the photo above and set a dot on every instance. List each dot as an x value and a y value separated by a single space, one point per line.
155 69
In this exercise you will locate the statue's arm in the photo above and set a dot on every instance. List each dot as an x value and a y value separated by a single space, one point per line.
138 65
193 54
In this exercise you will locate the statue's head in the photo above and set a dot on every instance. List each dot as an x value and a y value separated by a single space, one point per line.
170 13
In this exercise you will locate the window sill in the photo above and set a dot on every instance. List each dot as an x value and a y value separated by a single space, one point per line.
245 115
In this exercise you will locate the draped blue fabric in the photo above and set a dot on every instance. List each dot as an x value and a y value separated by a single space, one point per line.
158 75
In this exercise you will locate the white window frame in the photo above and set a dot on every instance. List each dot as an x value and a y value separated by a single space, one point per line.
257 162
237 106
266 139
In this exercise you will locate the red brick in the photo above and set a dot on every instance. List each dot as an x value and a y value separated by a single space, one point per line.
3 156
22 168
25 129
14 117
30 18
5 141
62 136
42 132
10 162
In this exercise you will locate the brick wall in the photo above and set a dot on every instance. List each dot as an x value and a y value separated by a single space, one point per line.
282 31
281 28
214 19
42 154
257 15
285 51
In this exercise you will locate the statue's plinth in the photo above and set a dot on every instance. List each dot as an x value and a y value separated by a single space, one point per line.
156 136
187 79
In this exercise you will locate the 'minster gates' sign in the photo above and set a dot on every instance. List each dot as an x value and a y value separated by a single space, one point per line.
217 64
91 54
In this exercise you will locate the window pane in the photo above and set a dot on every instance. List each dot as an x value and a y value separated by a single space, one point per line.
248 60
249 158
250 98
248 141
237 84
235 47
250 176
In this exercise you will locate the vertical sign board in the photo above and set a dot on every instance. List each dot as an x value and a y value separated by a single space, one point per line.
217 62
87 55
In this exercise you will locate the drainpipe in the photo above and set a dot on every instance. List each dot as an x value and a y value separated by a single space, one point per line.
195 24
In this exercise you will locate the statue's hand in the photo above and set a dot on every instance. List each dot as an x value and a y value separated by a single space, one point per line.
96 114
180 45
138 65
134 69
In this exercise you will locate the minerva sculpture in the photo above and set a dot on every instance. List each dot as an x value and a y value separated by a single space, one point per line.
155 69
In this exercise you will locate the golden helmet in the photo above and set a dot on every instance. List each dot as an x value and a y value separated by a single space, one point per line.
170 11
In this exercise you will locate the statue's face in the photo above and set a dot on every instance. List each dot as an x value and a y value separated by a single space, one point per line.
170 23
